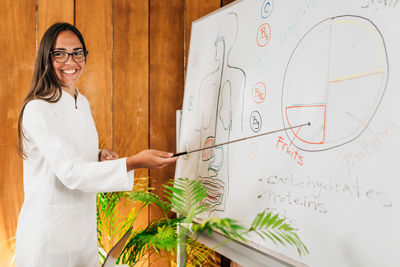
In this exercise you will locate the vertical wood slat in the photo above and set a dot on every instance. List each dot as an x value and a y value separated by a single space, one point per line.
166 81
131 70
52 11
166 86
17 44
95 23
130 79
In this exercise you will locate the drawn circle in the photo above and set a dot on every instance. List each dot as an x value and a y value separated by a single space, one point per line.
258 93
266 8
335 79
263 35
261 64
255 121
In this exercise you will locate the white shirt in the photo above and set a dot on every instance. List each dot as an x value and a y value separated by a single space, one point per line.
57 222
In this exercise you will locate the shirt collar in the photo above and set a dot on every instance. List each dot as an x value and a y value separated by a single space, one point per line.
68 101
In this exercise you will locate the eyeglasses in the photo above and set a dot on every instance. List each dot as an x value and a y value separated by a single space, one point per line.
62 56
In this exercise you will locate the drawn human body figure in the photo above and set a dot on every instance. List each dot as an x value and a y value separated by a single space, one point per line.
219 111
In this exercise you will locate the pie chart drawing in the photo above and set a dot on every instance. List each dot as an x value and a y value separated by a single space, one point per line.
335 79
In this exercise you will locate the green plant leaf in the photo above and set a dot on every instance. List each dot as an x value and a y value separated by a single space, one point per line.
185 197
274 228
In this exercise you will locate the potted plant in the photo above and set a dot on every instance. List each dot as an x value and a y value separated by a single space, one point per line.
179 233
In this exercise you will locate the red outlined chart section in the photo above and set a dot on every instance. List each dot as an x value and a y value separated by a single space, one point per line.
335 79
316 115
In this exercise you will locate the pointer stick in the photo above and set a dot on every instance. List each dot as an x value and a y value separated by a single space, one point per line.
238 140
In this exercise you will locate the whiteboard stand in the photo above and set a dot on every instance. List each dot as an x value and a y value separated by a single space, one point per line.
244 254
181 249
238 252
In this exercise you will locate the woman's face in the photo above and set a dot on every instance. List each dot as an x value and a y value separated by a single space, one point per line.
68 73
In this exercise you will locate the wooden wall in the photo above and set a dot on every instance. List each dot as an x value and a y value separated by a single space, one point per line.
134 80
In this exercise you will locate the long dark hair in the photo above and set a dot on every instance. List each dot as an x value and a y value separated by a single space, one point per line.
45 84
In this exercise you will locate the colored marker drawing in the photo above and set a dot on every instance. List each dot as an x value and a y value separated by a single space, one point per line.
335 79
263 35
267 8
220 111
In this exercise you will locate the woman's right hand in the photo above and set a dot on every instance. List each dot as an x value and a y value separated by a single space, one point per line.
151 159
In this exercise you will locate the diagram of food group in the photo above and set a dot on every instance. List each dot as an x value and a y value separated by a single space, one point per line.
335 79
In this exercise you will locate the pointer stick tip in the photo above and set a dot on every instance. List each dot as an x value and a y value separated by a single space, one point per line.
179 154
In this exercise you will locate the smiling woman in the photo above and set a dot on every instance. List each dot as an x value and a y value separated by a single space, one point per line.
68 60
63 166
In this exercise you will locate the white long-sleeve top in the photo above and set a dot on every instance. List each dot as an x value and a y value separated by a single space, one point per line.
57 222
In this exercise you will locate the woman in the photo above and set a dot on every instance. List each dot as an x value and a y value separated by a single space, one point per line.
63 168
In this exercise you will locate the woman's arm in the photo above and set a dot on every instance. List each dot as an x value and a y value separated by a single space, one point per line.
151 159
74 172
78 174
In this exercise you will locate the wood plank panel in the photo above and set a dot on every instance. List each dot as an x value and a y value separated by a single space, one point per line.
166 85
130 80
17 43
166 80
131 70
52 11
225 2
95 23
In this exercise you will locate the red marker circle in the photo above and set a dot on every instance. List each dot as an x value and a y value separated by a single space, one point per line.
259 92
263 35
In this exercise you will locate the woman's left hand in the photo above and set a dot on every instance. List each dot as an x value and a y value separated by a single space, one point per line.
106 154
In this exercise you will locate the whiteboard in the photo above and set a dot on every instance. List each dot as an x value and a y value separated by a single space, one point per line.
261 65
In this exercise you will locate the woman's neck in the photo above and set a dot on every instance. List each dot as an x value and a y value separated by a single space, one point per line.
69 90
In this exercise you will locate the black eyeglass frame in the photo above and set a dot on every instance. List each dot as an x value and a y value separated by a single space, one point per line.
85 53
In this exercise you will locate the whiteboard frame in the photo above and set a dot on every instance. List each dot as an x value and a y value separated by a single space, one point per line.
249 254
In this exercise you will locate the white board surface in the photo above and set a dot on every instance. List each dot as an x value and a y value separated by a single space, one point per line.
261 65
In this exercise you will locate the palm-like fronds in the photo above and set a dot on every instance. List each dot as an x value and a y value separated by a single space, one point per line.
231 228
148 198
268 225
110 224
107 218
159 234
200 255
185 196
